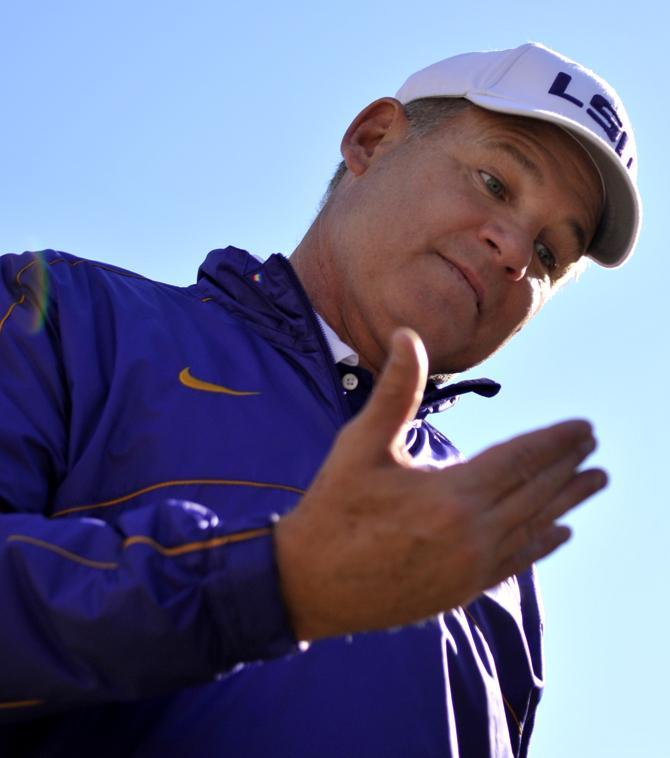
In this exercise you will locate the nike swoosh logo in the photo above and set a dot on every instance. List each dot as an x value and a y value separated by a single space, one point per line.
188 380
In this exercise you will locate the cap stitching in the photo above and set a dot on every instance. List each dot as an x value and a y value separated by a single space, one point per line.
524 49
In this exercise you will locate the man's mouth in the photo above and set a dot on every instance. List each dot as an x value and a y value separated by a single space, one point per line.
470 278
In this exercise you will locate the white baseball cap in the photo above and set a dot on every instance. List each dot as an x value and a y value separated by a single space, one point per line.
537 82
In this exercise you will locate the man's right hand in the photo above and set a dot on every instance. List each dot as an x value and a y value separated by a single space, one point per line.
376 542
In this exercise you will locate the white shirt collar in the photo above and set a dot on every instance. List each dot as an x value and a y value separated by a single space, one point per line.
342 353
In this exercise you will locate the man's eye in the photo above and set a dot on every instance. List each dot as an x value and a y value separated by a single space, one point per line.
495 186
547 258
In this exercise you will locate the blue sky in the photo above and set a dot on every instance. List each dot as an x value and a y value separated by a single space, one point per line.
147 133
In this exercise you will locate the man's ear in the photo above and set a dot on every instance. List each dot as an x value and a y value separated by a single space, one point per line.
378 126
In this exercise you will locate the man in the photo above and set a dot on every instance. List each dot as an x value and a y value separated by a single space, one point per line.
180 505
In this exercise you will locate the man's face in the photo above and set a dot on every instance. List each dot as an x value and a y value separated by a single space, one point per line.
462 235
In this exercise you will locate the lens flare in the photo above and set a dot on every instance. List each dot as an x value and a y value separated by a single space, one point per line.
40 292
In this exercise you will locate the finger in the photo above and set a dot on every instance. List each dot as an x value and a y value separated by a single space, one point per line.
545 544
529 499
582 486
507 466
396 396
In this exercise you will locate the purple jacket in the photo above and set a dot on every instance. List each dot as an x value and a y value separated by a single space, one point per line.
149 435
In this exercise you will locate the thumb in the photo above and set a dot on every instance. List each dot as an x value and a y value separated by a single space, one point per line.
397 394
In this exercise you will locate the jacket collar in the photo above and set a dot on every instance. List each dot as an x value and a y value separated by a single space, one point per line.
268 296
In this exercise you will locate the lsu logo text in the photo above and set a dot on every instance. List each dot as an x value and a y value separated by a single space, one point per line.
600 110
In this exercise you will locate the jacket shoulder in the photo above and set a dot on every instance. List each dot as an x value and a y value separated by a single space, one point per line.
31 270
49 277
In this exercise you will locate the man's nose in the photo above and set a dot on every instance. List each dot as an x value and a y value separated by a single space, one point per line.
512 245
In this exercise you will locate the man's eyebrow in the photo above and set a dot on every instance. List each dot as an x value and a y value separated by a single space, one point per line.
579 234
520 157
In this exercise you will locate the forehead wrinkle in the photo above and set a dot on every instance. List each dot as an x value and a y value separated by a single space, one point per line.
520 157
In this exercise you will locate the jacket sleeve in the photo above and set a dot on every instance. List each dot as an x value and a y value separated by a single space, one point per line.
166 597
